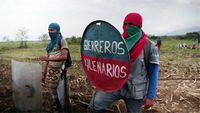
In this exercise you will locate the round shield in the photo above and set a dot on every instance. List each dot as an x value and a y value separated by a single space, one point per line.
105 56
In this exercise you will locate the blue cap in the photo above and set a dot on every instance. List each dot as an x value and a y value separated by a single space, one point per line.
54 26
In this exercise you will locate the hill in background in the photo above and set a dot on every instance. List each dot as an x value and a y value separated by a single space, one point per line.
184 31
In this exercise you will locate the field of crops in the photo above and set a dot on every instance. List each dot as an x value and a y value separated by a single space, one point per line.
178 89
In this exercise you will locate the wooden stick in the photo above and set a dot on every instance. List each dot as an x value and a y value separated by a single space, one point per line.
171 97
167 110
167 76
179 79
158 99
118 108
85 103
194 95
188 102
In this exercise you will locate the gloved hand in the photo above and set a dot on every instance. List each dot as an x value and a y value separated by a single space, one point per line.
148 103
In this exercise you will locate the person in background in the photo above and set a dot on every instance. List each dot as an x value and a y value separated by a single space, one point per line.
198 42
194 45
140 89
158 44
57 52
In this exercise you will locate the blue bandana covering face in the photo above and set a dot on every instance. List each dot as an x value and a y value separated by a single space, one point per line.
55 37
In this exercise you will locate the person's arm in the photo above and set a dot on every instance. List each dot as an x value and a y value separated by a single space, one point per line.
153 77
62 57
153 80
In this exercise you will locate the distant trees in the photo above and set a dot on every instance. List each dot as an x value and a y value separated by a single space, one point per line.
6 39
153 37
44 38
74 40
192 35
71 40
22 37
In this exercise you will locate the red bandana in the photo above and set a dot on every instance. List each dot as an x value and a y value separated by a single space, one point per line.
134 19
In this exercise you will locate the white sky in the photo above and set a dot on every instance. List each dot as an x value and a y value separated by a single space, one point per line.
159 16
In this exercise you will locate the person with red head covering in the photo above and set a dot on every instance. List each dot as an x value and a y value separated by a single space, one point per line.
158 44
141 86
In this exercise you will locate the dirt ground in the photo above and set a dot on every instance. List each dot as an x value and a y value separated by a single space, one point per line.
178 90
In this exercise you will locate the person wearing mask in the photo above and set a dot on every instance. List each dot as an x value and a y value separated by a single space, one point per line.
141 86
57 53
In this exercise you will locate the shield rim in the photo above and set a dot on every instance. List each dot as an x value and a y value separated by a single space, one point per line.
82 41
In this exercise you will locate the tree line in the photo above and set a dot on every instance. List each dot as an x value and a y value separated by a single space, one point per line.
189 36
22 37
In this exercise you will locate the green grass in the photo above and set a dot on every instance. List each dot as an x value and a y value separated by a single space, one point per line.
75 52
11 49
34 50
168 53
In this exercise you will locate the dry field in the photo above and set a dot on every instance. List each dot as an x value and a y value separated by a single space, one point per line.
178 88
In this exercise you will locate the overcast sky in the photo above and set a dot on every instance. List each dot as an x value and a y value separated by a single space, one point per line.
159 16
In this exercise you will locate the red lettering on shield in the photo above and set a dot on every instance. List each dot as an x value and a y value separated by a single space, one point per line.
106 74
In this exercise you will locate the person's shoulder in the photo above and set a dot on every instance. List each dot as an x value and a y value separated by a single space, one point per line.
63 40
64 43
151 42
153 46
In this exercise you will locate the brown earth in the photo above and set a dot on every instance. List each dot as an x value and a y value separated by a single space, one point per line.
178 90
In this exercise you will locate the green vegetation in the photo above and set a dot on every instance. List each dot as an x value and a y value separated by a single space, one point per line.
169 50
189 36
74 40
34 50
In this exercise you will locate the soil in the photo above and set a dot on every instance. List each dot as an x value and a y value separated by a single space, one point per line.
178 90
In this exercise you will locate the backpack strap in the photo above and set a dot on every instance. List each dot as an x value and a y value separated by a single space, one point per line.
59 44
68 61
147 49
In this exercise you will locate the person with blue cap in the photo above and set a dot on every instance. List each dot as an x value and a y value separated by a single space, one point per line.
57 53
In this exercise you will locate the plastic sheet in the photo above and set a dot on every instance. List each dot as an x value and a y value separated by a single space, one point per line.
27 86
